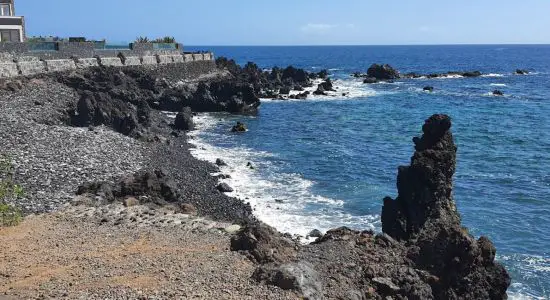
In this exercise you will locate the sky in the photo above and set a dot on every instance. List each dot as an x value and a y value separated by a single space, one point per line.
296 22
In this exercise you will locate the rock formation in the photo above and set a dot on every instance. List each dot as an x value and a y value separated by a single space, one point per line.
424 252
274 83
498 93
123 98
425 216
382 72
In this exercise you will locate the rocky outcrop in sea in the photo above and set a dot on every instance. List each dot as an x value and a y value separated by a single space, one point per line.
423 253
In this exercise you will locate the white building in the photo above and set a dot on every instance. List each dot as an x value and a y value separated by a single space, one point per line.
12 28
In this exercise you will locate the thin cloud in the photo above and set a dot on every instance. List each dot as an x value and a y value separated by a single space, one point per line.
321 28
317 27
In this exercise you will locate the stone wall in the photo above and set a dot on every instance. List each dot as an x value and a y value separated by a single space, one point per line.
179 65
69 50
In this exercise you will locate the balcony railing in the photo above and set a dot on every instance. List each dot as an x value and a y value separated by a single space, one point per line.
11 21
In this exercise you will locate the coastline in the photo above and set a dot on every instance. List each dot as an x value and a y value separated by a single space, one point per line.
191 179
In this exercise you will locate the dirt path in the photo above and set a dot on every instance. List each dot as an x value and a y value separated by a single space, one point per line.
63 256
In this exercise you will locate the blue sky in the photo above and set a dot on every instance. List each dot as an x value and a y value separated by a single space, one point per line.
296 22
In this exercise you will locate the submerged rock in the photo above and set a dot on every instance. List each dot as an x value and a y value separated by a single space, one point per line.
498 93
220 162
370 80
239 127
428 88
521 72
471 74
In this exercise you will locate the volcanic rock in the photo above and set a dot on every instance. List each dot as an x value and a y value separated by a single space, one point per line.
239 127
382 72
299 276
521 72
184 119
224 188
263 244
370 80
425 215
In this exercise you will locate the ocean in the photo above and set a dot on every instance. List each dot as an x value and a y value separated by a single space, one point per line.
327 162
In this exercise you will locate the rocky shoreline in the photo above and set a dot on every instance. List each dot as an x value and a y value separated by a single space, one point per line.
96 148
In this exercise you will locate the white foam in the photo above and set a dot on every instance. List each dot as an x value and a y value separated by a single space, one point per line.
344 89
534 266
498 84
492 75
279 199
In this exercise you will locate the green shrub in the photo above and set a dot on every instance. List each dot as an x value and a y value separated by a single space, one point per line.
142 39
166 40
9 214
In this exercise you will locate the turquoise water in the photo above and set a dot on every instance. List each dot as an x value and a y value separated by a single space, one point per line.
329 161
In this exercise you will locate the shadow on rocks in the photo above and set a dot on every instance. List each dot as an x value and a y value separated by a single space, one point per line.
148 187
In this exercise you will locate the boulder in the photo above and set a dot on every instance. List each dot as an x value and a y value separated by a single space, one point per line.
302 95
156 186
327 85
521 72
263 244
315 233
98 108
220 162
323 74
471 74
320 91
498 93
184 120
370 80
382 72
188 209
428 88
299 276
224 188
239 127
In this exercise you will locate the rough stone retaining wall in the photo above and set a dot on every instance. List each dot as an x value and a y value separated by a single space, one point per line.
30 68
60 65
8 70
193 64
82 63
111 61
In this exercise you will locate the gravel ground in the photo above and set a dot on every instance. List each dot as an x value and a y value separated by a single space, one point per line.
52 160
79 253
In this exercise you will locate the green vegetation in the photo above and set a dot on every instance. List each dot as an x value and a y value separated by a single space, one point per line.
9 214
142 39
165 40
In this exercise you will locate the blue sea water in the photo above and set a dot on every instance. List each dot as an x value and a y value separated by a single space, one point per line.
329 161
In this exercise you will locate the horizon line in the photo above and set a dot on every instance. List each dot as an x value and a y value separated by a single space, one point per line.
369 45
